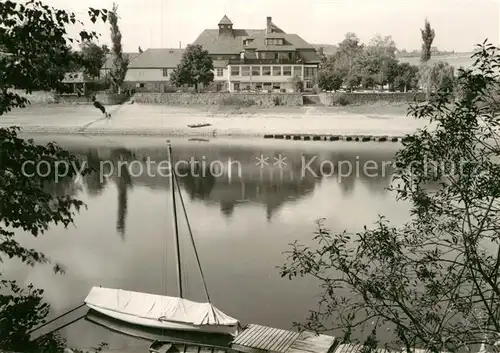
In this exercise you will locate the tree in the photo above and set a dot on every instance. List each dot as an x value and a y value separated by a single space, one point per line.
428 35
432 283
48 60
437 76
380 61
329 80
34 36
196 67
95 56
298 84
348 50
140 50
120 60
321 53
406 77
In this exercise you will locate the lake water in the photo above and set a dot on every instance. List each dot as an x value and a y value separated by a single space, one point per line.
242 220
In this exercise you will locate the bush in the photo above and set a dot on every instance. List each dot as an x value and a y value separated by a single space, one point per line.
277 100
340 99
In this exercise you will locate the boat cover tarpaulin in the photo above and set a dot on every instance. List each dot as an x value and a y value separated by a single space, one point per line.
158 307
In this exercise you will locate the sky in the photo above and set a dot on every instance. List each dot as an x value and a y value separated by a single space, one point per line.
459 24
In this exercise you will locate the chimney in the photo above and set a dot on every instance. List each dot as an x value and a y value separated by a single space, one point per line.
180 45
269 25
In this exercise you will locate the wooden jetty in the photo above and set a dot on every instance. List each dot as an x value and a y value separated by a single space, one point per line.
257 339
353 138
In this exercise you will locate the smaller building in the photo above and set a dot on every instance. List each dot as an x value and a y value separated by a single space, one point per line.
76 82
151 70
108 64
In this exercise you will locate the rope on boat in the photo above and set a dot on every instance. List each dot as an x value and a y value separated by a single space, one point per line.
61 327
56 318
192 238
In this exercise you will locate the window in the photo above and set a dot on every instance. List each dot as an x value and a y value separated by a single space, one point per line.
297 71
287 71
266 70
219 87
245 71
310 71
235 70
220 72
276 70
277 86
274 41
255 70
236 86
165 72
309 84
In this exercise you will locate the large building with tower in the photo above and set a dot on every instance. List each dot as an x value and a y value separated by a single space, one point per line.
259 59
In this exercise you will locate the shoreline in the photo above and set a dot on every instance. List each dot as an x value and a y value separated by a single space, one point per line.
368 123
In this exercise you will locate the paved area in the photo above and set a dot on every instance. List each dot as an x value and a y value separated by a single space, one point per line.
139 119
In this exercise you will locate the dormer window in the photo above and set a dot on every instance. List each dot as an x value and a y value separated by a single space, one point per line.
274 41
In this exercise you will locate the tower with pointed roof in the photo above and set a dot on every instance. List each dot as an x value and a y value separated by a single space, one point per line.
225 28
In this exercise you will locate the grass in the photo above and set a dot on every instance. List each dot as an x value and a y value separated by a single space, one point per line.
456 60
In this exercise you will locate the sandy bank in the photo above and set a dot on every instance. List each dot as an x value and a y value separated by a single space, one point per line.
157 120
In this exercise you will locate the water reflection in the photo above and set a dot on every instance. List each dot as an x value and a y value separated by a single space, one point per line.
231 177
243 218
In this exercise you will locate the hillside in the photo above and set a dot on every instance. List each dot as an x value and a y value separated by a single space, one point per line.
455 59
328 49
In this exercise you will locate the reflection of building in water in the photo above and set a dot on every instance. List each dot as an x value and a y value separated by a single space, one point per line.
271 187
231 176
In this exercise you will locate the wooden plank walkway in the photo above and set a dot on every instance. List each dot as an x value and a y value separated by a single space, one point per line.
355 348
258 338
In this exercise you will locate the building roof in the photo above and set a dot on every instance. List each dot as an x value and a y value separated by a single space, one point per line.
220 63
157 58
275 28
209 39
225 21
108 64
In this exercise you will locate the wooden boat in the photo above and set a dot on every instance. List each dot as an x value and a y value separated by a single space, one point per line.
161 311
156 334
199 125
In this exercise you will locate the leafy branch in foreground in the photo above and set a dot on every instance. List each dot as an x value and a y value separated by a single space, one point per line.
37 48
434 282
36 54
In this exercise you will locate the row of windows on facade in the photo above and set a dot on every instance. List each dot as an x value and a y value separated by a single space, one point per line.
264 71
269 41
270 71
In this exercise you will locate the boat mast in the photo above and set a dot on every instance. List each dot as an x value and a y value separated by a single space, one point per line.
176 226
192 240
